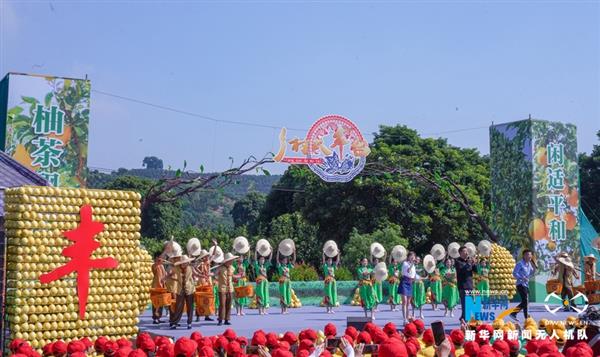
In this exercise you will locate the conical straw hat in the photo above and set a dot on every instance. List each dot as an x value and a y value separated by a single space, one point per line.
184 260
228 258
399 253
193 247
286 247
377 250
263 247
565 259
438 251
217 254
471 249
484 248
453 250
330 249
241 245
429 263
380 271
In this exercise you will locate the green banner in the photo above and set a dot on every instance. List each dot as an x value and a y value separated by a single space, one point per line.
45 125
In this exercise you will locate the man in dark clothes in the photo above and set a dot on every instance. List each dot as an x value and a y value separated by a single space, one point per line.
464 276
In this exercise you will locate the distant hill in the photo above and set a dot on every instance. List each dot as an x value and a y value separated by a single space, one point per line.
206 209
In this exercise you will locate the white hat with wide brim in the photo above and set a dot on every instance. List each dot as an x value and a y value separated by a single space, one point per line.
172 249
429 263
399 253
438 251
263 247
380 271
377 250
565 259
471 249
286 247
184 260
193 247
217 254
203 254
453 250
228 258
330 249
241 245
484 248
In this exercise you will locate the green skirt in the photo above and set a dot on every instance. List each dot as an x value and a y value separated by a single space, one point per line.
484 287
378 287
395 298
216 293
367 296
241 301
436 291
331 293
262 293
285 292
418 293
450 295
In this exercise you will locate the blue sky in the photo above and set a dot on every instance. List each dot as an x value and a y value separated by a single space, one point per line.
435 66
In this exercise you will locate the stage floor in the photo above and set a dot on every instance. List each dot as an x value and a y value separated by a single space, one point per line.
315 318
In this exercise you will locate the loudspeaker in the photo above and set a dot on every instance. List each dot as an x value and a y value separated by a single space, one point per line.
357 322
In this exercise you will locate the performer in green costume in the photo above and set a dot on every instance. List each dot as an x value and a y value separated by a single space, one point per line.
483 271
395 270
450 295
377 285
329 267
435 286
418 289
367 297
240 267
261 267
284 269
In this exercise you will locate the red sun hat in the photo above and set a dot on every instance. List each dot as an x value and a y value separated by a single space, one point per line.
352 332
290 338
471 348
428 337
364 337
420 326
502 347
330 330
410 330
185 346
392 348
259 339
137 353
206 351
390 328
229 334
59 348
457 337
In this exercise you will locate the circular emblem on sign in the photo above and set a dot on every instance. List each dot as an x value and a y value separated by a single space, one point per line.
339 145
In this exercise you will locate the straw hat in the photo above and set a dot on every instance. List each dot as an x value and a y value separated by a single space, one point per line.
184 260
399 253
429 263
380 271
203 254
590 256
453 250
484 248
377 250
263 247
241 245
217 254
596 243
172 249
330 249
565 259
228 258
286 247
193 247
471 249
438 251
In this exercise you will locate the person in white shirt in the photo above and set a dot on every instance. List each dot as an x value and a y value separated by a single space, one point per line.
409 273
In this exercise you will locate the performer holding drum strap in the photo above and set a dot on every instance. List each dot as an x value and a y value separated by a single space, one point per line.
158 282
240 266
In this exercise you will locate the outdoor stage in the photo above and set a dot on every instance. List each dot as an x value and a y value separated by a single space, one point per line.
315 318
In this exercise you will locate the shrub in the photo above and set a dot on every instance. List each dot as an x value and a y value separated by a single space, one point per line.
343 274
304 272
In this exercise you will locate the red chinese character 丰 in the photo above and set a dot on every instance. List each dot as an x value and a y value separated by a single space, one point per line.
80 253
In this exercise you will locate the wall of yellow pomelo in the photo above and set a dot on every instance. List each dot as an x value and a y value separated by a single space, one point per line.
35 218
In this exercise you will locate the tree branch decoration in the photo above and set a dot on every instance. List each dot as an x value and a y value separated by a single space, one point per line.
173 188
441 183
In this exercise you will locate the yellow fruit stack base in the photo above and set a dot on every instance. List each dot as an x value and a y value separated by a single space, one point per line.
501 267
35 219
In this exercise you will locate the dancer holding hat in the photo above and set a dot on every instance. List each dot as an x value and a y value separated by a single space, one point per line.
262 263
202 270
418 298
225 275
450 295
378 254
284 269
395 269
330 250
183 278
240 266
483 272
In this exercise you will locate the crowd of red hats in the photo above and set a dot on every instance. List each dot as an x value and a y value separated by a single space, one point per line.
414 340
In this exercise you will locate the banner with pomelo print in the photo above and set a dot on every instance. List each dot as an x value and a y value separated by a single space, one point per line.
535 192
44 125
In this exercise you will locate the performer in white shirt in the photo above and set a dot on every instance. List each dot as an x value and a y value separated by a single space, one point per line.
409 274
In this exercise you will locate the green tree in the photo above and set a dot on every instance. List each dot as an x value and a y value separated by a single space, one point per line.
359 244
159 221
590 184
293 226
152 163
246 211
